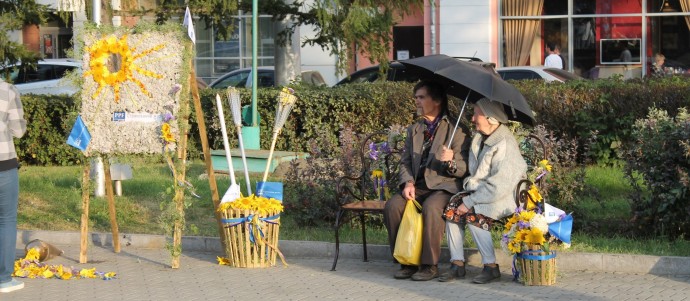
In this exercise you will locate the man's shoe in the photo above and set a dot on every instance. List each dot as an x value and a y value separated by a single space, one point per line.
427 272
456 271
488 273
11 286
405 272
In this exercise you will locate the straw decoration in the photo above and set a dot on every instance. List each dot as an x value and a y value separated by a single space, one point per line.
234 98
286 100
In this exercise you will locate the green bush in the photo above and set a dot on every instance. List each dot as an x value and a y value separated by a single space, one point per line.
49 120
661 155
600 111
363 107
604 109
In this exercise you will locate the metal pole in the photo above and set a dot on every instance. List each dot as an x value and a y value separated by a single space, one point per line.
255 33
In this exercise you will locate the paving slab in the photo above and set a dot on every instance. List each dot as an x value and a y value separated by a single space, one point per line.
144 274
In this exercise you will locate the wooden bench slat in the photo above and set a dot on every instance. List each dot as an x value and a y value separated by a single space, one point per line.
370 205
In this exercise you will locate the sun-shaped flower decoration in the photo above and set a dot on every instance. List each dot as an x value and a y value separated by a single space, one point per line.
112 64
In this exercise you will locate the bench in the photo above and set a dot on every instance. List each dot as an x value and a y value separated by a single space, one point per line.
533 150
357 195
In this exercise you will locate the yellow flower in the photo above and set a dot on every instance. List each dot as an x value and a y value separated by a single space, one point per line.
223 260
48 274
535 236
526 215
166 134
66 276
254 203
32 254
514 247
534 197
88 273
109 275
545 164
111 64
377 173
509 224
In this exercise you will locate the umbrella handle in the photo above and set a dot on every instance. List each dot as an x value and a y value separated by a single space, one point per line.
458 121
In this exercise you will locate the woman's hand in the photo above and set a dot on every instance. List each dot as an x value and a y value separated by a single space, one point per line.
408 191
446 154
462 209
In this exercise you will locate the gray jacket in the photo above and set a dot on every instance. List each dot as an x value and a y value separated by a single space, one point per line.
494 174
436 174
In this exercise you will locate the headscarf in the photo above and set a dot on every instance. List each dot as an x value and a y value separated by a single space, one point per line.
493 111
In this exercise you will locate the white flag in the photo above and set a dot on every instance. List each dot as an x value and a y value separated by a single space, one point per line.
190 26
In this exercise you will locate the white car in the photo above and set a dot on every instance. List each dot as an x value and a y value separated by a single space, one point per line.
536 72
47 79
265 77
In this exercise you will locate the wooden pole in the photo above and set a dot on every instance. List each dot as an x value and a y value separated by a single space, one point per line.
178 225
203 136
111 204
85 194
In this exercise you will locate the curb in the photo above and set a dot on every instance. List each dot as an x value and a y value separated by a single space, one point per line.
567 261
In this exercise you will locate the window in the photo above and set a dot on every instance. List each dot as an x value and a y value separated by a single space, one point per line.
527 26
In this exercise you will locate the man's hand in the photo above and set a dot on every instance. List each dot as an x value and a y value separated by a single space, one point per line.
408 191
446 154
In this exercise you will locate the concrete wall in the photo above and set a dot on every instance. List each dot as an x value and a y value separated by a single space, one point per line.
466 28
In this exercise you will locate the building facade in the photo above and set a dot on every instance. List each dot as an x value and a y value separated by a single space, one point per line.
597 38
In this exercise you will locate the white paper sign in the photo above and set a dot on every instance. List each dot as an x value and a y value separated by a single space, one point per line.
403 54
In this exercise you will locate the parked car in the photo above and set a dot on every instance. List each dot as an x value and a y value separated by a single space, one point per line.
536 72
396 72
266 78
47 78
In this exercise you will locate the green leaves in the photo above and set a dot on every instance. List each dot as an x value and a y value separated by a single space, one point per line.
660 154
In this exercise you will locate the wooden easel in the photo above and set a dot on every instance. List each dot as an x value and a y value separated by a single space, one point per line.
177 239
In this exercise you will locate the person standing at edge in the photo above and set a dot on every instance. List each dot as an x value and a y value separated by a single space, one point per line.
553 60
12 124
496 167
430 173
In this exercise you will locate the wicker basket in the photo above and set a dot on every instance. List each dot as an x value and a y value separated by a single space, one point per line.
537 267
251 240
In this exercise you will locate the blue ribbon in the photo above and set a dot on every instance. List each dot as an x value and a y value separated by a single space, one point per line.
231 222
529 255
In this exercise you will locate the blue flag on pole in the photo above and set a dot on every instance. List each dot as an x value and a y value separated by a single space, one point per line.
562 229
270 190
79 137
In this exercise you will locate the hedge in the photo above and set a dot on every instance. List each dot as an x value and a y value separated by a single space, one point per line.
574 109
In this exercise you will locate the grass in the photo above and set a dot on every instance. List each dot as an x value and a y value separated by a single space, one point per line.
50 199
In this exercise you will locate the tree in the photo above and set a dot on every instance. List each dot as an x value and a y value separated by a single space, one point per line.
348 27
14 15
343 27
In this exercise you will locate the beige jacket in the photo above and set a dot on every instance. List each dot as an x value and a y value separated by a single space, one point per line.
436 174
495 172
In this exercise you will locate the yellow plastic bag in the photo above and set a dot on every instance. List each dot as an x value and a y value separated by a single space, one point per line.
408 243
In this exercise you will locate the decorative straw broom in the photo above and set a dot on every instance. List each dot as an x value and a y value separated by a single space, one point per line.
234 99
286 100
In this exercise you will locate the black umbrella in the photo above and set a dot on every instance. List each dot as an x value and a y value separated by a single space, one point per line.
471 82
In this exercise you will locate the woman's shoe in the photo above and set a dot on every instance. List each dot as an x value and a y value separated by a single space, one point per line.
455 271
488 273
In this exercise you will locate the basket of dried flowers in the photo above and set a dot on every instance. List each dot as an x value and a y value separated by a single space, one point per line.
251 228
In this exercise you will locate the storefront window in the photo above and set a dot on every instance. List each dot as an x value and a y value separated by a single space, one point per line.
670 40
607 35
215 57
